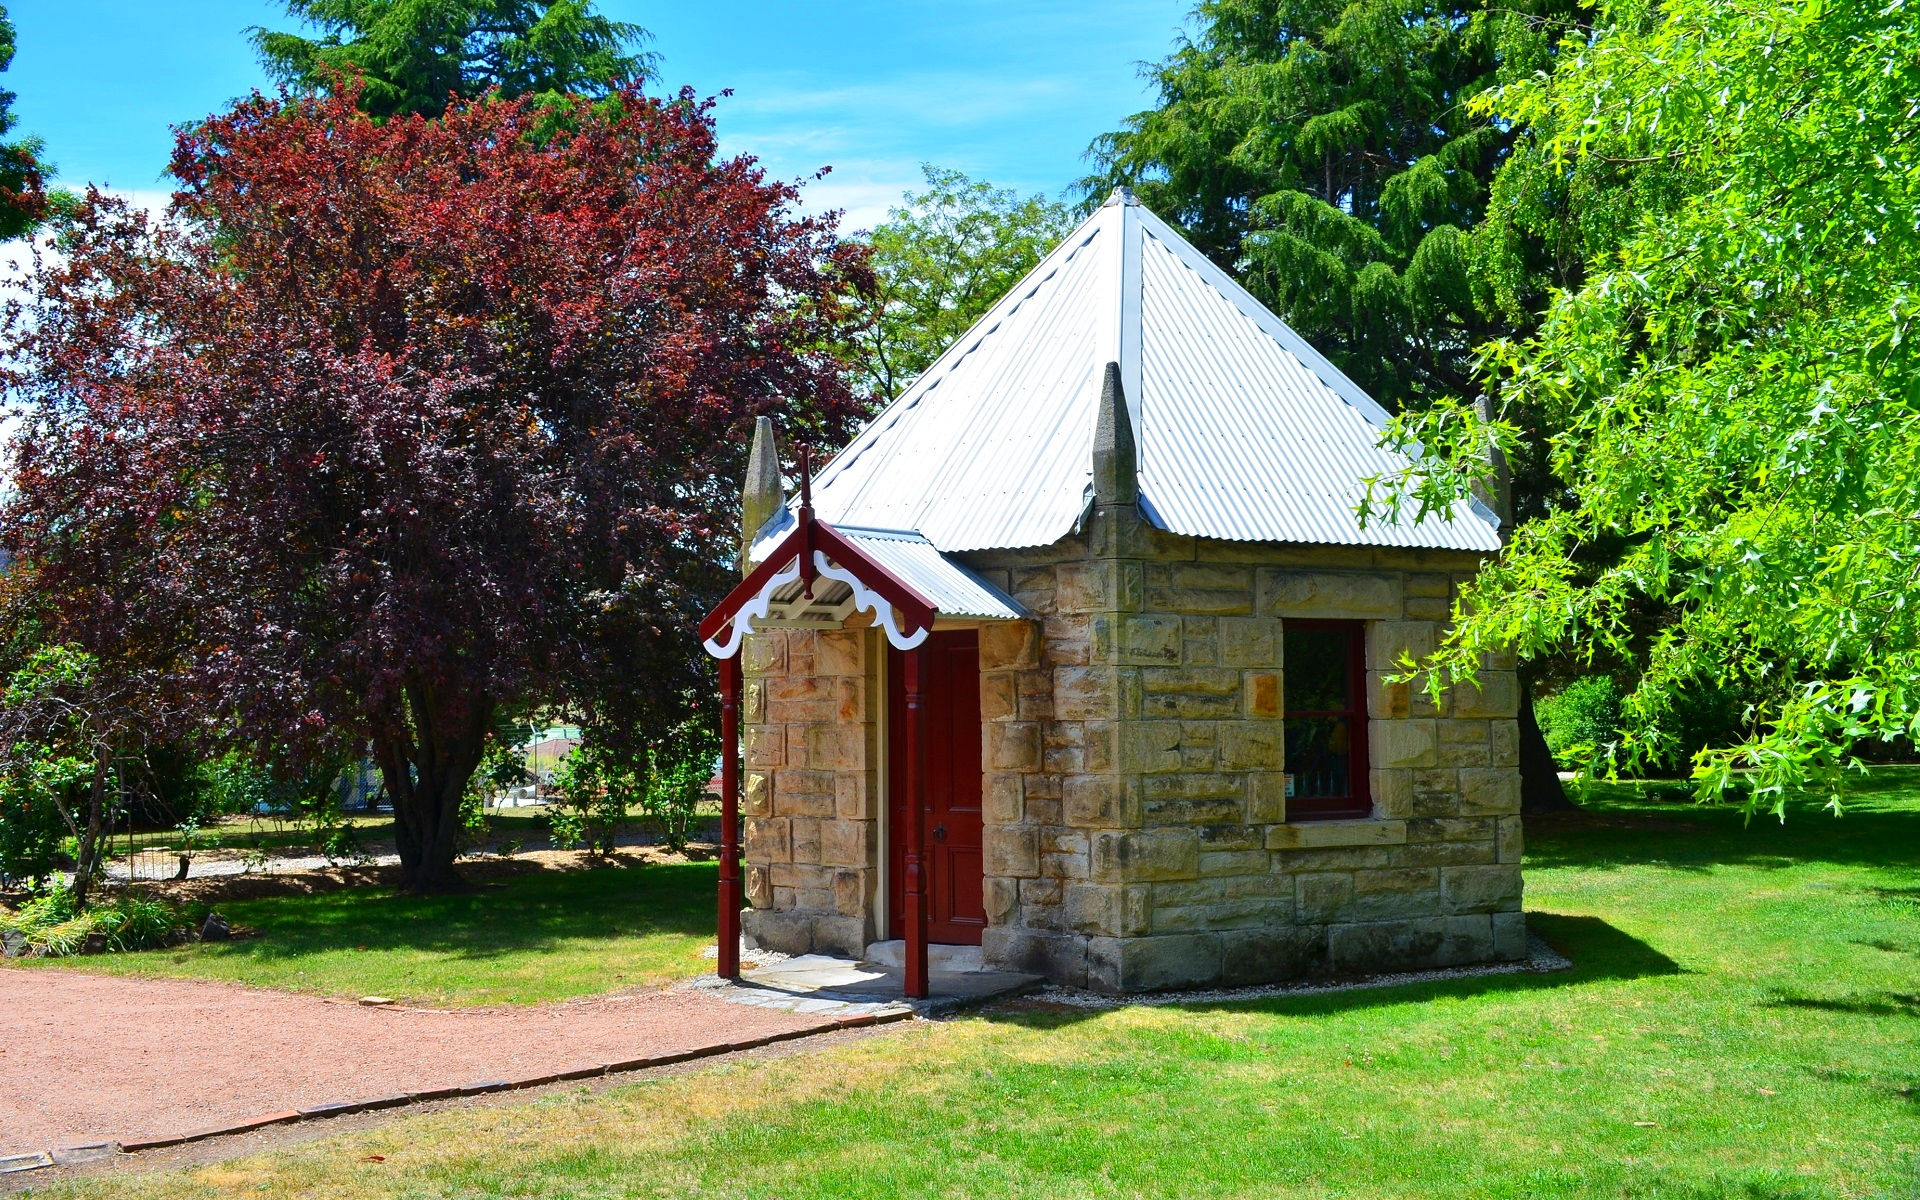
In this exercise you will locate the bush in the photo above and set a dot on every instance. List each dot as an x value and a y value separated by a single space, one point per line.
1705 717
1586 716
234 784
594 787
674 788
1581 720
33 834
598 785
312 796
52 928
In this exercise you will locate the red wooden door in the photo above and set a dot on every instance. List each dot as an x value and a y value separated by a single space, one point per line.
956 902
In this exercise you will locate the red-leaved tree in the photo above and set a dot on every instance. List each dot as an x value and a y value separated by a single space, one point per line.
393 425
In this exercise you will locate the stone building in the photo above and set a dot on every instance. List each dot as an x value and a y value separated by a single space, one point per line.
1093 592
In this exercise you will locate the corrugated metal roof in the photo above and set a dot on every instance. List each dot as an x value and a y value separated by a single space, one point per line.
991 445
953 590
1246 432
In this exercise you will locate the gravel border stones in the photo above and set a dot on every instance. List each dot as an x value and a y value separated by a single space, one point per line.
1541 959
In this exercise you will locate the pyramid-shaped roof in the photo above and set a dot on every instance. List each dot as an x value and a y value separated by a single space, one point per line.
1245 432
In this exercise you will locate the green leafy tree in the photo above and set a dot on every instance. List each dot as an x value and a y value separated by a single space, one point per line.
414 54
941 260
1328 153
23 199
1732 389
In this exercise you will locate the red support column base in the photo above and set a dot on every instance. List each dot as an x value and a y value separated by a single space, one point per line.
728 925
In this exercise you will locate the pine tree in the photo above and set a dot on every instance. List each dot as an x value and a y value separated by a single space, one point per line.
23 201
1326 154
413 54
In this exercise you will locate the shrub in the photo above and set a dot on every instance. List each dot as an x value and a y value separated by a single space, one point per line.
502 766
679 771
1581 720
53 928
235 784
32 830
595 786
673 791
1587 716
599 785
1706 717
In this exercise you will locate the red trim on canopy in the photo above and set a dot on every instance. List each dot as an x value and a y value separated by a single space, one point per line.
811 536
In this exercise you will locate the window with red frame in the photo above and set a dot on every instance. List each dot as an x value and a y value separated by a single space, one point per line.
1326 721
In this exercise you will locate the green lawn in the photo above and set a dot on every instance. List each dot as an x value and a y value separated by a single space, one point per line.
1743 1022
545 936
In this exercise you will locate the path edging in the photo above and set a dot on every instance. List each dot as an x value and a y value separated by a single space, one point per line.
95 1151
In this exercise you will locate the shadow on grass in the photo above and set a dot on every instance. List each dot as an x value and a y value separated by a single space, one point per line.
527 913
1888 946
1597 950
1885 1004
1615 828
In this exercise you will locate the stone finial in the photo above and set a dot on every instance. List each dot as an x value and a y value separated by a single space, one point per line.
1496 492
763 494
1116 456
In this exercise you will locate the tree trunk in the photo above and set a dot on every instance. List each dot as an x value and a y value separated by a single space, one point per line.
1540 790
426 758
86 860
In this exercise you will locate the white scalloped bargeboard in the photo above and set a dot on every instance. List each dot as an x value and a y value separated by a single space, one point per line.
728 643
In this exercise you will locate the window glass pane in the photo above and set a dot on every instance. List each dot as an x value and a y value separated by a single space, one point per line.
1317 667
1319 757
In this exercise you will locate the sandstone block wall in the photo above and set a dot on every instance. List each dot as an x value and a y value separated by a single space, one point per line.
809 788
1133 746
1135 778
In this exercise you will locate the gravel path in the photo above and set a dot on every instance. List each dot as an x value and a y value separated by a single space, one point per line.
87 1058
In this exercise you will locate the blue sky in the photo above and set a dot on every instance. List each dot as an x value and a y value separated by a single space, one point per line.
1010 92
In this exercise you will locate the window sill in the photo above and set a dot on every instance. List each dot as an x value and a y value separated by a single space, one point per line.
1318 835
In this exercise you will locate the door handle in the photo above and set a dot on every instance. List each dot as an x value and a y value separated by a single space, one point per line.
939 833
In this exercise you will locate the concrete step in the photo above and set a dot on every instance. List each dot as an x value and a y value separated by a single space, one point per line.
959 960
819 983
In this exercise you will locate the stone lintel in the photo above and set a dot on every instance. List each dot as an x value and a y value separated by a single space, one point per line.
1314 835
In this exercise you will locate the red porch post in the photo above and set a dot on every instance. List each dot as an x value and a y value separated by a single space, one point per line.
914 674
729 967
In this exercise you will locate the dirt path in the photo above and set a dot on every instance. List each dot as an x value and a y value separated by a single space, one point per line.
87 1058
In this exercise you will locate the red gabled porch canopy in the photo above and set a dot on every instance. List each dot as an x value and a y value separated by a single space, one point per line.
786 591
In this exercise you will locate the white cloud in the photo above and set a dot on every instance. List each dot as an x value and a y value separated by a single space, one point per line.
864 196
941 99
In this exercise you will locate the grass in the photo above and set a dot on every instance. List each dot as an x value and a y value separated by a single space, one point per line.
1742 1022
546 936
